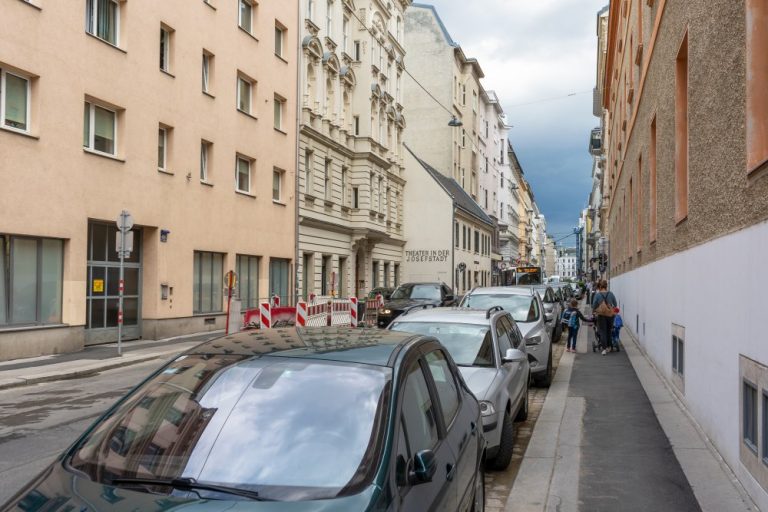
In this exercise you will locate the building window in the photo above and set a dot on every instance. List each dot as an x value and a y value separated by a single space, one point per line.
652 182
308 182
310 8
277 185
205 159
279 112
357 52
207 282
327 169
375 274
100 133
245 16
678 350
162 148
396 281
456 234
279 40
345 35
31 272
757 70
14 101
102 18
326 267
329 19
207 71
749 433
355 197
356 121
386 275
765 428
342 285
308 274
681 133
477 241
248 280
244 94
243 175
344 186
165 49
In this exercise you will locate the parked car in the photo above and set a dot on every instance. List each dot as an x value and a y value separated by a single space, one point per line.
488 348
296 420
553 309
577 293
386 292
409 295
527 309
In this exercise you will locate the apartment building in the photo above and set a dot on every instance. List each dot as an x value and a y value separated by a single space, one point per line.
181 112
351 166
509 206
687 208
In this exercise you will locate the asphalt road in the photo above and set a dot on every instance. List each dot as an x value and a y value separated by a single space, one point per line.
38 422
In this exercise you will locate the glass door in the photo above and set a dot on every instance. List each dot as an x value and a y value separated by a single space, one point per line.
279 279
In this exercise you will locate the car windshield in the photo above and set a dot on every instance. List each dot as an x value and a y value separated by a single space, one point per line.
289 429
523 308
468 344
417 291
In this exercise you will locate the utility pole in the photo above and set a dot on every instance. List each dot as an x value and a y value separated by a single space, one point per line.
124 224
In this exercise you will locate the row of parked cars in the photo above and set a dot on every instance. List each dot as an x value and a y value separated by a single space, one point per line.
406 418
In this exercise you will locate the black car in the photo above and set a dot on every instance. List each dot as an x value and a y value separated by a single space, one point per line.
410 295
286 419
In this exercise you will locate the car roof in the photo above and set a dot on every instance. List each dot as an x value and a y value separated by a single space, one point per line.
508 290
454 315
364 346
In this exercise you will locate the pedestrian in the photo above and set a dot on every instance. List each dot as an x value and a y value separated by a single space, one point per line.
571 317
618 323
603 303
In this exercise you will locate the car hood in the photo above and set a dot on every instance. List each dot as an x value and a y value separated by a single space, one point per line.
58 489
406 303
478 379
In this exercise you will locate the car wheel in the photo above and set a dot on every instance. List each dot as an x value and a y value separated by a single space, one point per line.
478 503
504 455
522 414
545 380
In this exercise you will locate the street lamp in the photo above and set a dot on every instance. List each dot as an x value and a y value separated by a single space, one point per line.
455 123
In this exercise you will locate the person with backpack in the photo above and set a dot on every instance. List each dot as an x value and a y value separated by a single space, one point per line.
603 304
571 317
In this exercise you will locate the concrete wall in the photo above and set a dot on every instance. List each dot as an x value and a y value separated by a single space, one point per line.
715 291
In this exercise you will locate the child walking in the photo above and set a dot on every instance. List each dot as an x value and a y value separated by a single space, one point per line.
572 315
618 323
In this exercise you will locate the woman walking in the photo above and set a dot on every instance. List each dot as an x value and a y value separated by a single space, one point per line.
603 303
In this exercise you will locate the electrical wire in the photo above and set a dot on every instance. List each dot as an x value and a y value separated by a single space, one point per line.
554 98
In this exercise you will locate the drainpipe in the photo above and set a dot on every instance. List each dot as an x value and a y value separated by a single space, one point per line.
297 105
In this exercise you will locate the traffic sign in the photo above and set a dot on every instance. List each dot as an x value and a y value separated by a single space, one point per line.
125 221
462 267
127 244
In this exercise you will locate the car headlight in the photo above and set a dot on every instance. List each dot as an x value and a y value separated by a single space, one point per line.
533 340
384 311
487 408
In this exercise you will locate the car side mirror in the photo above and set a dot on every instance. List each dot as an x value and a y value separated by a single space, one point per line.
424 467
514 355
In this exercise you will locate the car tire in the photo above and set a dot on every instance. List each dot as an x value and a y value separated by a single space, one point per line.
545 380
506 444
478 500
522 414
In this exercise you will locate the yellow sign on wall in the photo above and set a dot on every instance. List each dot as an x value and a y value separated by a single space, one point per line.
98 286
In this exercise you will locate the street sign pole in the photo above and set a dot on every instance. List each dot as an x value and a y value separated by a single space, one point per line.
124 224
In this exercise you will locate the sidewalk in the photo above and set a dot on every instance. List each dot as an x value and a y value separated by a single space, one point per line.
611 436
94 359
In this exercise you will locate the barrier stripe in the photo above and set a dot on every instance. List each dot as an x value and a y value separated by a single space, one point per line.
265 315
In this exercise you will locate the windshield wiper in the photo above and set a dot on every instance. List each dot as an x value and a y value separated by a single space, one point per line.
190 484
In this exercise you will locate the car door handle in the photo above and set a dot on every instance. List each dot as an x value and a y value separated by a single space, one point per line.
450 471
473 428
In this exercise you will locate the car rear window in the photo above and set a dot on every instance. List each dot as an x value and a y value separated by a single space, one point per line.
468 344
523 308
288 429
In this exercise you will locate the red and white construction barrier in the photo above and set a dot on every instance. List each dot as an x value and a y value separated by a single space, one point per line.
353 311
301 314
372 310
275 300
265 315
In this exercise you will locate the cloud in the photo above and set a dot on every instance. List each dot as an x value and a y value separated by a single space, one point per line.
531 51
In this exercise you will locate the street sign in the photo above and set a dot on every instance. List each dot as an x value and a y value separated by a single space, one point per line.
125 221
127 246
462 267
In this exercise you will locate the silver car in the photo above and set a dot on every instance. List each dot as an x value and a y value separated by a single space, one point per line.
527 309
488 348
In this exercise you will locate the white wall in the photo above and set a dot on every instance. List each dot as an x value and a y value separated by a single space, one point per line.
717 291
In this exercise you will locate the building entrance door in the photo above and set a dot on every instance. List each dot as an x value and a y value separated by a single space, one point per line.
279 279
103 286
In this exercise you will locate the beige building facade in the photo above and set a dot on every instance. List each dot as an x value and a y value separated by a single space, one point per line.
352 178
182 113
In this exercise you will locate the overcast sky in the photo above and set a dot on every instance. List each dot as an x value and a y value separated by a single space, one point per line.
530 51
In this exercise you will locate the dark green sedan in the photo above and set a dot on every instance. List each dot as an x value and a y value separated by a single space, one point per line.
328 419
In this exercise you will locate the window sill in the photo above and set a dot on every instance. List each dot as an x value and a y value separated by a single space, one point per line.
103 155
22 328
105 42
212 313
166 172
248 114
279 203
168 73
209 95
281 131
247 33
206 183
31 5
209 5
246 194
19 132
282 58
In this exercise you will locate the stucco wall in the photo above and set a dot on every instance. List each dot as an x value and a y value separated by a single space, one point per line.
715 292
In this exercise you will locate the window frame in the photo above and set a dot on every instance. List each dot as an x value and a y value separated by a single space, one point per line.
242 79
207 64
247 303
162 137
279 41
217 283
92 105
279 112
205 160
240 5
242 158
752 425
4 100
165 49
279 174
92 16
